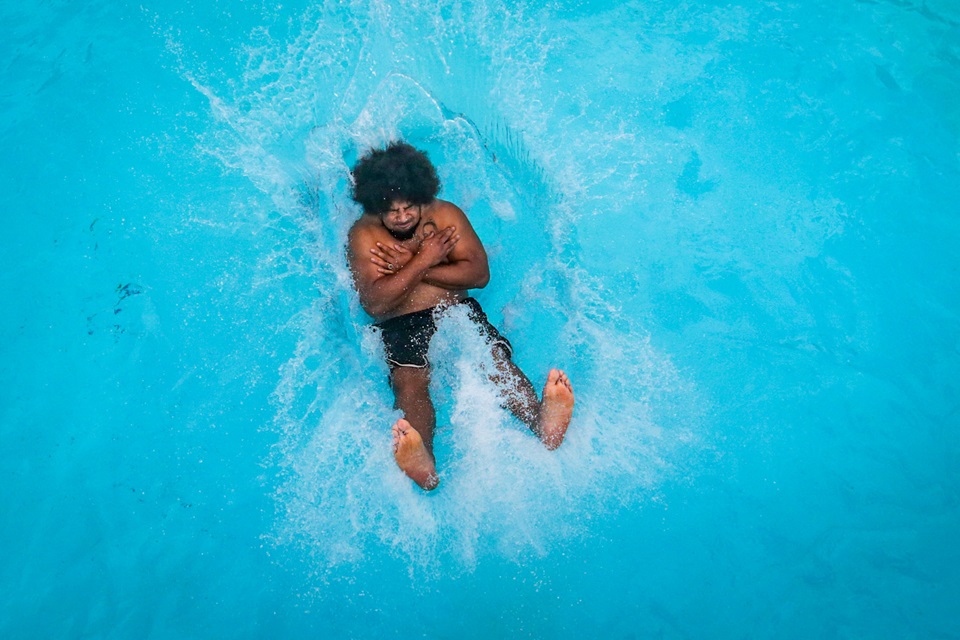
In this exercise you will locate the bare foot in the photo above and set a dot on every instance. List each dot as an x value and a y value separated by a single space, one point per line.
555 409
412 457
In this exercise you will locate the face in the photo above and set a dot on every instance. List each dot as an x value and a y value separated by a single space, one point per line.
401 219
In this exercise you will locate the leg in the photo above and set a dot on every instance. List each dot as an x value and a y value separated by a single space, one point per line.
518 394
547 419
413 434
411 392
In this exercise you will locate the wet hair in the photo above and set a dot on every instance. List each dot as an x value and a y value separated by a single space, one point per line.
396 172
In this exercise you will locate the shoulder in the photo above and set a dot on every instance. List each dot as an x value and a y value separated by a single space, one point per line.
442 207
446 213
365 226
363 232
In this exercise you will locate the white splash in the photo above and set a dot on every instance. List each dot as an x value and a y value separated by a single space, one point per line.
303 113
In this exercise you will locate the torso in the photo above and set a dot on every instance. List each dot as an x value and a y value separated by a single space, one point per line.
423 296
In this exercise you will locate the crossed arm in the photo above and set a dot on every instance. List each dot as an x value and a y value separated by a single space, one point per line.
452 259
465 266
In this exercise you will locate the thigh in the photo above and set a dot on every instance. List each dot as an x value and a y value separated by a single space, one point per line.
410 384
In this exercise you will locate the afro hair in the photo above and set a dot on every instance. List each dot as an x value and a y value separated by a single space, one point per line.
396 172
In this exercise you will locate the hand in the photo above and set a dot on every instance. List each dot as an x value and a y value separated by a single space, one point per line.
436 246
390 259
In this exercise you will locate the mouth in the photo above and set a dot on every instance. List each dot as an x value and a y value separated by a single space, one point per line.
402 232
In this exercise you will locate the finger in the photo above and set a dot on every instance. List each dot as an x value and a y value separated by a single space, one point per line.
385 250
386 272
380 262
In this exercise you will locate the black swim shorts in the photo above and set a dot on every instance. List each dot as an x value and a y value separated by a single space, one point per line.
406 338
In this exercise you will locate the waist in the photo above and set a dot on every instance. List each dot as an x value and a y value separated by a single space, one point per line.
422 299
413 316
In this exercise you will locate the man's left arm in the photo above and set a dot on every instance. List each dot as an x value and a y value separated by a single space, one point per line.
467 266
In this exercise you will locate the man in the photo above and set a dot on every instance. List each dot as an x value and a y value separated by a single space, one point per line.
413 256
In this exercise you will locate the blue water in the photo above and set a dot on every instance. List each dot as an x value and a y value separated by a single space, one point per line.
735 226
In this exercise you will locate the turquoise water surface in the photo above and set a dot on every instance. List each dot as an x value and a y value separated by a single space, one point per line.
734 225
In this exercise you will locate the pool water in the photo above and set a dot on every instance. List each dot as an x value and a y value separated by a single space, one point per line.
735 227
